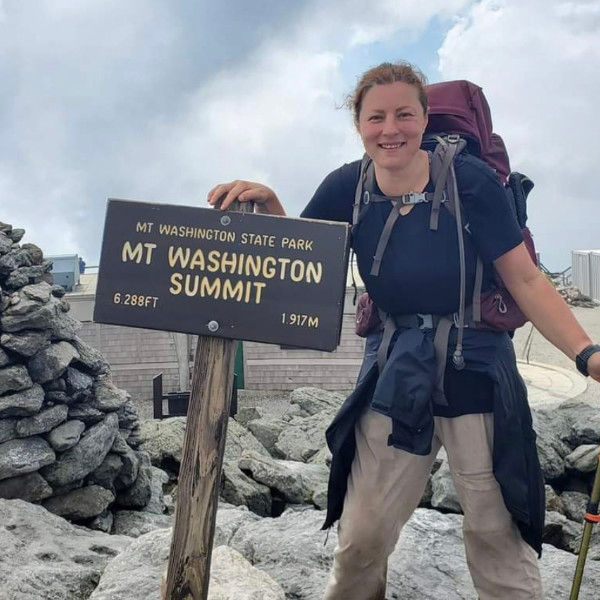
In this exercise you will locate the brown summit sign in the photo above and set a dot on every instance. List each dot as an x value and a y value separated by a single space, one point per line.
221 273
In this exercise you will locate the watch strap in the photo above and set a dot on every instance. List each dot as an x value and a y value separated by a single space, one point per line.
582 358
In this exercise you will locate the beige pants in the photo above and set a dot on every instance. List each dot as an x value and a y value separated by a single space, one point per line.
384 488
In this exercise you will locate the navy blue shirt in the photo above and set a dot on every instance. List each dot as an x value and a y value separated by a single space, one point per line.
425 263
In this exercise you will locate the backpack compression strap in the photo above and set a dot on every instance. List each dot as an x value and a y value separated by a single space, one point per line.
358 194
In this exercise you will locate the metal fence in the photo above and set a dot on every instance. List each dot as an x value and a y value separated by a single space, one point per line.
586 272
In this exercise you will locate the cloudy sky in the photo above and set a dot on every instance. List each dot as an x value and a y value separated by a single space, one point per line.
160 100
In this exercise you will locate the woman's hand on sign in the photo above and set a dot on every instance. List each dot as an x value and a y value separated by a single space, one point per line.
246 191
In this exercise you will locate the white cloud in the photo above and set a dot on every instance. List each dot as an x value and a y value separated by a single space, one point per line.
538 63
141 101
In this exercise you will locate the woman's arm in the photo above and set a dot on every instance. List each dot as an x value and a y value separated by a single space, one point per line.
247 191
543 305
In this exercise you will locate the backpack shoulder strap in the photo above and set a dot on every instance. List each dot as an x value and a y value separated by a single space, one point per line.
360 186
441 164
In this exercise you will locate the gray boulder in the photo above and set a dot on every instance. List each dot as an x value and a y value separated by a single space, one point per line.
26 343
40 292
315 400
551 427
554 502
296 482
8 429
443 491
156 504
14 379
107 396
44 421
21 456
80 504
575 505
134 523
138 495
86 456
584 458
136 574
31 487
22 404
44 556
90 358
50 363
239 489
67 435
303 437
267 431
107 472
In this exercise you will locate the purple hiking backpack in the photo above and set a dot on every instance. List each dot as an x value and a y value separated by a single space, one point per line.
460 120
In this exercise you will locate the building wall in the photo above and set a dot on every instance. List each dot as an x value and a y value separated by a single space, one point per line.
137 355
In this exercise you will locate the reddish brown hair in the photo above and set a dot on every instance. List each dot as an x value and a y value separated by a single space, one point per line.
387 73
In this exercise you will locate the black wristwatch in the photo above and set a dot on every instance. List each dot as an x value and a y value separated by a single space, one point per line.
582 358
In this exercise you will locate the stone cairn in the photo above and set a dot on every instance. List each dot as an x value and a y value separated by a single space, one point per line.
574 296
68 435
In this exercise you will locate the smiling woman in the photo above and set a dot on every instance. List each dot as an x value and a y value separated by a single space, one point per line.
426 380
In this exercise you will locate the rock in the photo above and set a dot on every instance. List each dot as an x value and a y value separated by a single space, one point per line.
554 501
322 456
267 431
443 491
238 489
240 440
130 467
295 481
138 495
16 235
107 472
44 556
5 243
19 456
14 379
4 358
320 498
136 574
302 438
107 397
551 427
156 504
25 343
50 363
128 417
85 413
35 255
584 458
102 522
561 532
80 504
31 488
43 421
77 383
38 316
22 404
86 456
40 292
583 423
134 523
8 429
120 445
315 400
163 441
575 505
67 435
248 413
64 326
90 358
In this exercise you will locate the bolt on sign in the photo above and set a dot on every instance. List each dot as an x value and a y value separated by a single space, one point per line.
219 273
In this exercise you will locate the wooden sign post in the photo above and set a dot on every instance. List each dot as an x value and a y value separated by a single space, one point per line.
233 276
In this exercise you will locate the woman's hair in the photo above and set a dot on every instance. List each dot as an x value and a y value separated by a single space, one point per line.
387 73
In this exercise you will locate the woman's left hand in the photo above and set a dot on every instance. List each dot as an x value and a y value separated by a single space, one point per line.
593 366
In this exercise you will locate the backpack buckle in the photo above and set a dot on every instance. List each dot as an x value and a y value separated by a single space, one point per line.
366 197
453 138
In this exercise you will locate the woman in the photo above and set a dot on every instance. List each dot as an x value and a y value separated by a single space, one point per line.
484 424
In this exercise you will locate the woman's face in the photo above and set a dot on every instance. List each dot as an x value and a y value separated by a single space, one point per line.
391 124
